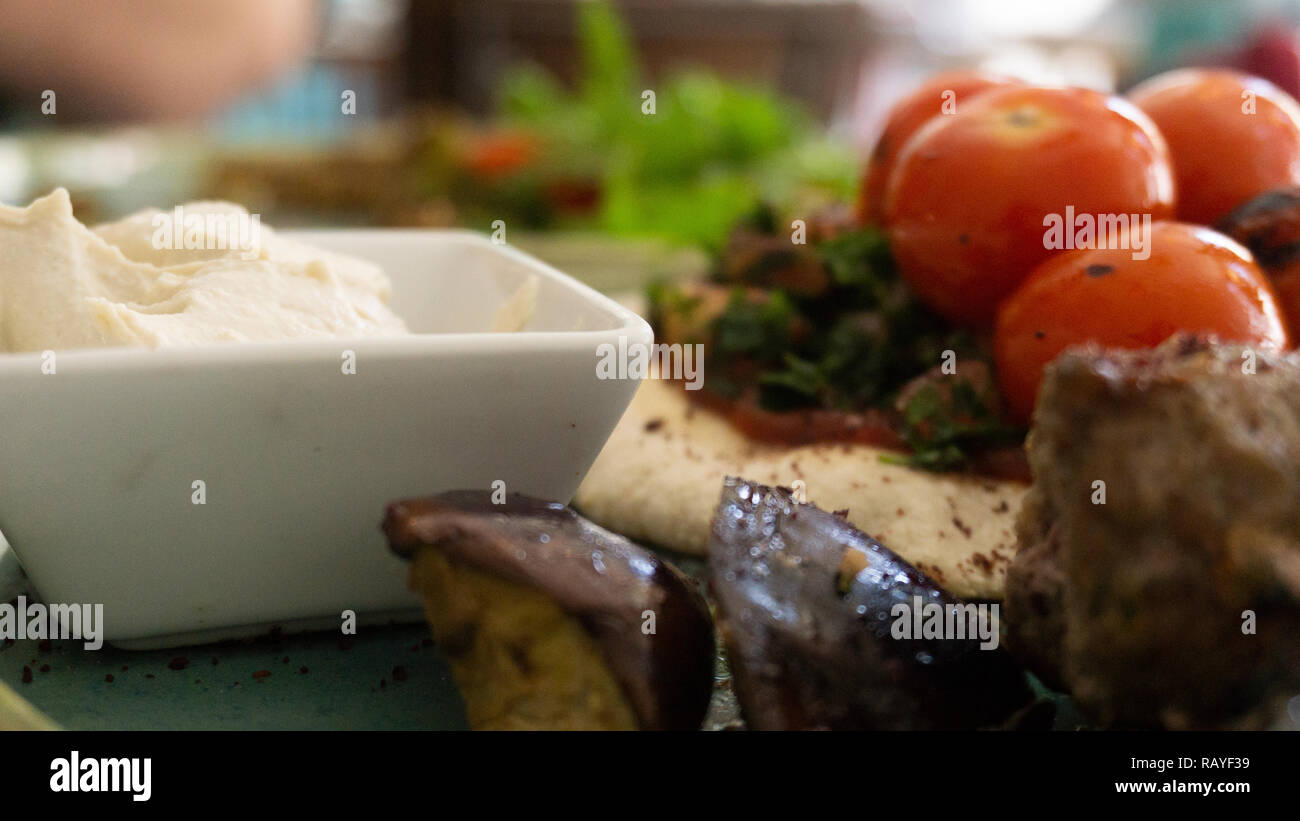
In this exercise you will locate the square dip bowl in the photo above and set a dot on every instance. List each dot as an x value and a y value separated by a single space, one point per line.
206 493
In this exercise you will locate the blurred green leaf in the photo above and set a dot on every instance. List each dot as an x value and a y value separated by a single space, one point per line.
706 157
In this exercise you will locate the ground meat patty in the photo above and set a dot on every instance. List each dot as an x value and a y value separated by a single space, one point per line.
1173 600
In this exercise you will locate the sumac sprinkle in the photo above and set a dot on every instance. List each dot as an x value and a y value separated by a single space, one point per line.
178 663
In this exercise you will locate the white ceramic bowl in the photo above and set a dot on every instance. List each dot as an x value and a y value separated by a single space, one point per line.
98 461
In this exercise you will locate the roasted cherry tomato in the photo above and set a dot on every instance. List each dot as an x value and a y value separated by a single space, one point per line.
1194 279
972 196
1269 225
939 95
1231 136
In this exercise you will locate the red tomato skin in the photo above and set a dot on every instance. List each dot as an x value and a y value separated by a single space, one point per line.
1222 155
967 203
944 92
1195 280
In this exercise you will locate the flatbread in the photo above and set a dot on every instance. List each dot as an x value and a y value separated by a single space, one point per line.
660 475
17 714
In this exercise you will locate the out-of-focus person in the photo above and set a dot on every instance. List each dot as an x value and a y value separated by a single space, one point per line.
146 59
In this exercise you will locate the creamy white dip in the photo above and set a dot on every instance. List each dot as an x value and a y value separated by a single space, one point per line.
144 282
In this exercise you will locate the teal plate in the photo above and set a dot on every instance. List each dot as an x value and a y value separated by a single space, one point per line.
383 678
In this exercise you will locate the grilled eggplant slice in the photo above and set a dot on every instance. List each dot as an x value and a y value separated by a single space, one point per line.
806 608
550 622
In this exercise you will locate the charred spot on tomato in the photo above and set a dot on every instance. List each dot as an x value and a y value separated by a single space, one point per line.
1265 204
1269 225
1095 271
1282 256
1040 334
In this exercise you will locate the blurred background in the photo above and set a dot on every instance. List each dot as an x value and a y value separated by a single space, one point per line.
655 123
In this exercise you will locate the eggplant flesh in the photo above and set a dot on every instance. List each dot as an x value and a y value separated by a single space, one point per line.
550 622
807 607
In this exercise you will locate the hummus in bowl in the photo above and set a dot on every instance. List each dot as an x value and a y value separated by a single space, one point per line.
200 489
204 272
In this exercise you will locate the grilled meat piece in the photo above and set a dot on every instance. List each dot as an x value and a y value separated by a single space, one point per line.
1158 572
807 609
550 622
1034 594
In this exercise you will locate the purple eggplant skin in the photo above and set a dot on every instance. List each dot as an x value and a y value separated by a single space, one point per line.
805 606
603 580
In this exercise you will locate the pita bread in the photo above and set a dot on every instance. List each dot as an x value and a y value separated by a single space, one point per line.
17 714
660 475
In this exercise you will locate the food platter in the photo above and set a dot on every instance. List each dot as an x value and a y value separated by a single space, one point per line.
909 465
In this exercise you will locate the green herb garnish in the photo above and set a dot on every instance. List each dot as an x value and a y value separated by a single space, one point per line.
860 344
941 423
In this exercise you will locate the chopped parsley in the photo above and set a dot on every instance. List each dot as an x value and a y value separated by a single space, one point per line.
940 428
850 338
